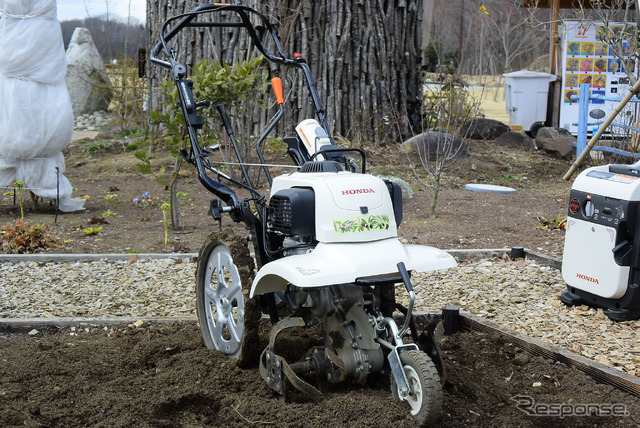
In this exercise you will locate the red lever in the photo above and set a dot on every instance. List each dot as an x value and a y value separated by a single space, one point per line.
276 84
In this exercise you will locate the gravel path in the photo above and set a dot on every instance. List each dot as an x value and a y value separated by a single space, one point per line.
152 288
522 296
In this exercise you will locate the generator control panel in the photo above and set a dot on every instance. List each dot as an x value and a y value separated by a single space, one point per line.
598 209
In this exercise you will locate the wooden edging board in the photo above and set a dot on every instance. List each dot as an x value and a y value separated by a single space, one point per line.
23 325
474 253
66 258
600 372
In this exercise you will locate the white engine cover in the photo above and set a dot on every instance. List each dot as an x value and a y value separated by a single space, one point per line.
343 263
349 207
356 231
588 263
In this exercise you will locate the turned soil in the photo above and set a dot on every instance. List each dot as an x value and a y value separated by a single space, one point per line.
161 375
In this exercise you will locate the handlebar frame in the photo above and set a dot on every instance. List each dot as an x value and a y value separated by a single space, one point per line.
243 20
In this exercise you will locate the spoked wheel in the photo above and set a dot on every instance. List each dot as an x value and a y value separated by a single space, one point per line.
228 318
425 392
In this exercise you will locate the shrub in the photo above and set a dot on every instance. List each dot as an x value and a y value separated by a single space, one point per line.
21 238
129 93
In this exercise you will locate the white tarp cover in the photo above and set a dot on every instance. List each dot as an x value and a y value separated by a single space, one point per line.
36 120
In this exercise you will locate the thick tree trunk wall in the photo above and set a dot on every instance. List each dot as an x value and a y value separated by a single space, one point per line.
364 55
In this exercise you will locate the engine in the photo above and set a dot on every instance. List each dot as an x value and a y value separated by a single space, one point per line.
323 203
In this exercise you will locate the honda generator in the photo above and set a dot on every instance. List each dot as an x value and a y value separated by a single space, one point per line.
601 260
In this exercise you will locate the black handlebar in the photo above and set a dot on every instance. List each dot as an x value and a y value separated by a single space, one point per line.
243 12
239 17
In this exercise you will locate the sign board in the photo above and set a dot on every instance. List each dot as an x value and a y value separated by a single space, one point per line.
586 58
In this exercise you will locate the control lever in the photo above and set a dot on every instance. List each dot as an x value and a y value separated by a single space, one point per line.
185 87
622 253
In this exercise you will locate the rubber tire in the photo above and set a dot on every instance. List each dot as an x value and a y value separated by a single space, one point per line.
426 398
249 353
535 127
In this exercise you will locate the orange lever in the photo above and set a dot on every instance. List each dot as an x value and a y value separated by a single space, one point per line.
276 84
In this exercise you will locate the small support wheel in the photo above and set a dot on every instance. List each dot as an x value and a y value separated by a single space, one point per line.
425 391
228 318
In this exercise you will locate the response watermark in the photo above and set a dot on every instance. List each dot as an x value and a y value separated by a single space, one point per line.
527 404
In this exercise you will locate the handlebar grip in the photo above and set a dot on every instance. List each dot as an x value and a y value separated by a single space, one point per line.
276 84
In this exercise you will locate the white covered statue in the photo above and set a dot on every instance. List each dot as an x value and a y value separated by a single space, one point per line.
36 120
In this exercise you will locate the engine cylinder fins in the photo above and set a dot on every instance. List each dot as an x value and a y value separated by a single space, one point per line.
321 166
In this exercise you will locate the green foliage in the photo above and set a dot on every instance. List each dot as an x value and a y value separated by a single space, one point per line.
230 84
558 223
21 238
92 147
134 146
92 230
109 213
18 188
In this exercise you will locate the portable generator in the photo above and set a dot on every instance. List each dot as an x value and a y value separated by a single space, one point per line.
601 257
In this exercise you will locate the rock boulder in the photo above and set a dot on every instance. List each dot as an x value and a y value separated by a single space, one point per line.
516 139
430 143
89 86
556 141
483 129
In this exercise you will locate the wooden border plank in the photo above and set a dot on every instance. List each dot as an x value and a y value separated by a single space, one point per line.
23 325
66 258
600 372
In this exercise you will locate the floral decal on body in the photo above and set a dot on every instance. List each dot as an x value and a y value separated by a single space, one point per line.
371 223
307 272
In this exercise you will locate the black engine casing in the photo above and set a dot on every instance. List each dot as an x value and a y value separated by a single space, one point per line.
293 212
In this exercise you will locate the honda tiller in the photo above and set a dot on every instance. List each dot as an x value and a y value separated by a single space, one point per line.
324 244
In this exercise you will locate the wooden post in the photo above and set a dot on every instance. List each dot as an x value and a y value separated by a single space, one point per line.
555 88
450 319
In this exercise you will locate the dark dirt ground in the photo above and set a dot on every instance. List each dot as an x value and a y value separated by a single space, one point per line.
162 375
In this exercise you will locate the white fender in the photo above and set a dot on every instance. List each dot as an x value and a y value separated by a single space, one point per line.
343 263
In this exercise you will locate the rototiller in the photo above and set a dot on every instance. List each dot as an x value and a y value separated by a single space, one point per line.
324 244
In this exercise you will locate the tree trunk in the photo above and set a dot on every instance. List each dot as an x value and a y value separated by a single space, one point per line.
365 56
434 198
